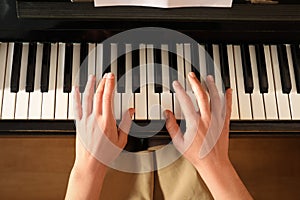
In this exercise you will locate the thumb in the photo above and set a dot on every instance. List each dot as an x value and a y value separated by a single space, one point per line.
173 129
125 125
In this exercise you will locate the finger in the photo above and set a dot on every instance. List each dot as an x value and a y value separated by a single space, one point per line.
99 96
87 103
108 94
225 132
173 129
125 125
184 100
214 94
228 105
77 104
200 94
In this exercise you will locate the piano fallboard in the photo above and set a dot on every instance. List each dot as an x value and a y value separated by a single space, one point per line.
64 21
67 127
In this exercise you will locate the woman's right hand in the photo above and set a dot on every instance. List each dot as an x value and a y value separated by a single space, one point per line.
206 140
201 123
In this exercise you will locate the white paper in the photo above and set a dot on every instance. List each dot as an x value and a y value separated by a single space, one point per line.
165 3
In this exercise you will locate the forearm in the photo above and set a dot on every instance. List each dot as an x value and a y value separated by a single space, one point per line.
85 184
223 181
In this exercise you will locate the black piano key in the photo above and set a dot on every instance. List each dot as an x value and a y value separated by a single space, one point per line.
31 67
224 65
284 69
209 57
247 71
121 61
135 69
261 68
157 70
83 76
106 58
45 67
16 66
173 65
296 62
195 60
68 68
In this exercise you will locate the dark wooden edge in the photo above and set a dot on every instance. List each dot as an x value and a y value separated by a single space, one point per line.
141 128
239 12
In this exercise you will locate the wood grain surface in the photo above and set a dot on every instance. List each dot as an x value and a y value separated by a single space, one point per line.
34 167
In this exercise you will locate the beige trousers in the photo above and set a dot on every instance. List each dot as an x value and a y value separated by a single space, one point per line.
177 181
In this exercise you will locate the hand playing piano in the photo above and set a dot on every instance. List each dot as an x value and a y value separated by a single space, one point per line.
98 141
200 123
215 168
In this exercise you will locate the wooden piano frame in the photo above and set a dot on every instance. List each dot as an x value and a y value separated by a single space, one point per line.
36 156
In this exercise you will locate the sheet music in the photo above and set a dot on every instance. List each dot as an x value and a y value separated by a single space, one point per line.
165 3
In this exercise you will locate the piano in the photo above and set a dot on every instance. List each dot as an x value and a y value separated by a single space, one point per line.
43 42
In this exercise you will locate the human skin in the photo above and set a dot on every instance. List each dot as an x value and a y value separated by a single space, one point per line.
96 115
215 168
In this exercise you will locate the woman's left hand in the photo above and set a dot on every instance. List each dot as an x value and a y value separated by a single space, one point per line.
98 141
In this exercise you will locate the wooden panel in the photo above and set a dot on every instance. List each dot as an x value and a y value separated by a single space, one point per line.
268 166
38 167
35 168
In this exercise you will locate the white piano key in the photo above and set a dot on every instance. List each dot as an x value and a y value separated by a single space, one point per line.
92 59
187 65
235 106
75 75
153 98
188 69
217 64
99 62
244 99
22 95
35 97
180 64
128 97
61 100
202 62
282 99
270 97
91 62
9 99
180 69
177 109
166 95
3 55
48 107
141 98
256 97
294 97
114 69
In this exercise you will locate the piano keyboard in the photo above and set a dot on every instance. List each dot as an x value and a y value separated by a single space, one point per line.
36 79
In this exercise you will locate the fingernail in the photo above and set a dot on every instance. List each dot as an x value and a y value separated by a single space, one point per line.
210 78
91 77
110 75
105 75
192 75
131 112
166 114
175 83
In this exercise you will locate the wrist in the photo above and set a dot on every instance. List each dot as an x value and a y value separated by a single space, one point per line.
222 180
89 169
213 167
85 182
